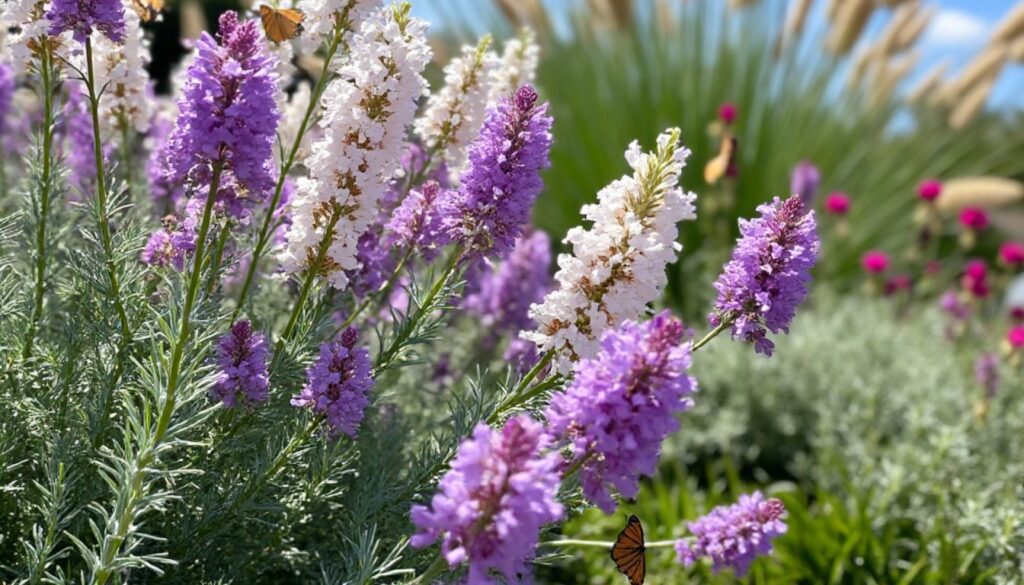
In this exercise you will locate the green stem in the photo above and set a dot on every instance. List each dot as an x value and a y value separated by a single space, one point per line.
101 191
111 544
519 398
725 324
218 257
407 329
265 232
46 72
126 153
435 569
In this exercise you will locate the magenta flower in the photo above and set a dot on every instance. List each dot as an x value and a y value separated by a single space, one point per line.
875 262
837 203
1015 337
1017 314
1011 254
491 505
242 360
766 279
727 112
898 283
974 218
338 384
623 403
734 536
81 17
929 190
496 194
975 279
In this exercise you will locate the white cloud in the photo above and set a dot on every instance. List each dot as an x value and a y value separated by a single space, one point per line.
957 29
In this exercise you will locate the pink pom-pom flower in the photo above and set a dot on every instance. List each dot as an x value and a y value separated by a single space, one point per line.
875 262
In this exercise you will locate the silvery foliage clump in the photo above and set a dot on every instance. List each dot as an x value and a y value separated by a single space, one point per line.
884 416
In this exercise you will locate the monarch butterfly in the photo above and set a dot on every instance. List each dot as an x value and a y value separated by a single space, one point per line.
281 24
719 166
147 9
628 552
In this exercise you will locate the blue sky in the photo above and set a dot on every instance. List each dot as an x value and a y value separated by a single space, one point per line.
958 31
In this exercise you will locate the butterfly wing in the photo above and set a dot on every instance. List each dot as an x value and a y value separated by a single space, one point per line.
148 10
281 24
628 552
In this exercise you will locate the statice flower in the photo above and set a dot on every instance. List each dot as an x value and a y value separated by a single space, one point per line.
618 265
496 192
734 536
120 67
366 113
322 16
338 384
23 23
623 403
82 17
518 67
503 294
454 115
767 277
804 182
228 116
242 366
418 223
491 505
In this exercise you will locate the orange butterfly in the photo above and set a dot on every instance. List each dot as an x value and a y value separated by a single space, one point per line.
281 24
147 9
628 552
719 166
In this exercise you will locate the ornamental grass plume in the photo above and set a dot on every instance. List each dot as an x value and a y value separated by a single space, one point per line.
734 536
767 277
617 266
490 506
367 110
82 17
242 366
227 117
338 385
622 404
502 178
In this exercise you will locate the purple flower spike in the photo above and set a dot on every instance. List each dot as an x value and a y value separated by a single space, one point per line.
493 502
228 116
417 223
761 287
242 360
81 17
503 295
623 403
733 536
338 384
496 192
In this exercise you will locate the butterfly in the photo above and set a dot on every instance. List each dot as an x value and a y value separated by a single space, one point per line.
281 24
628 552
148 10
719 166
